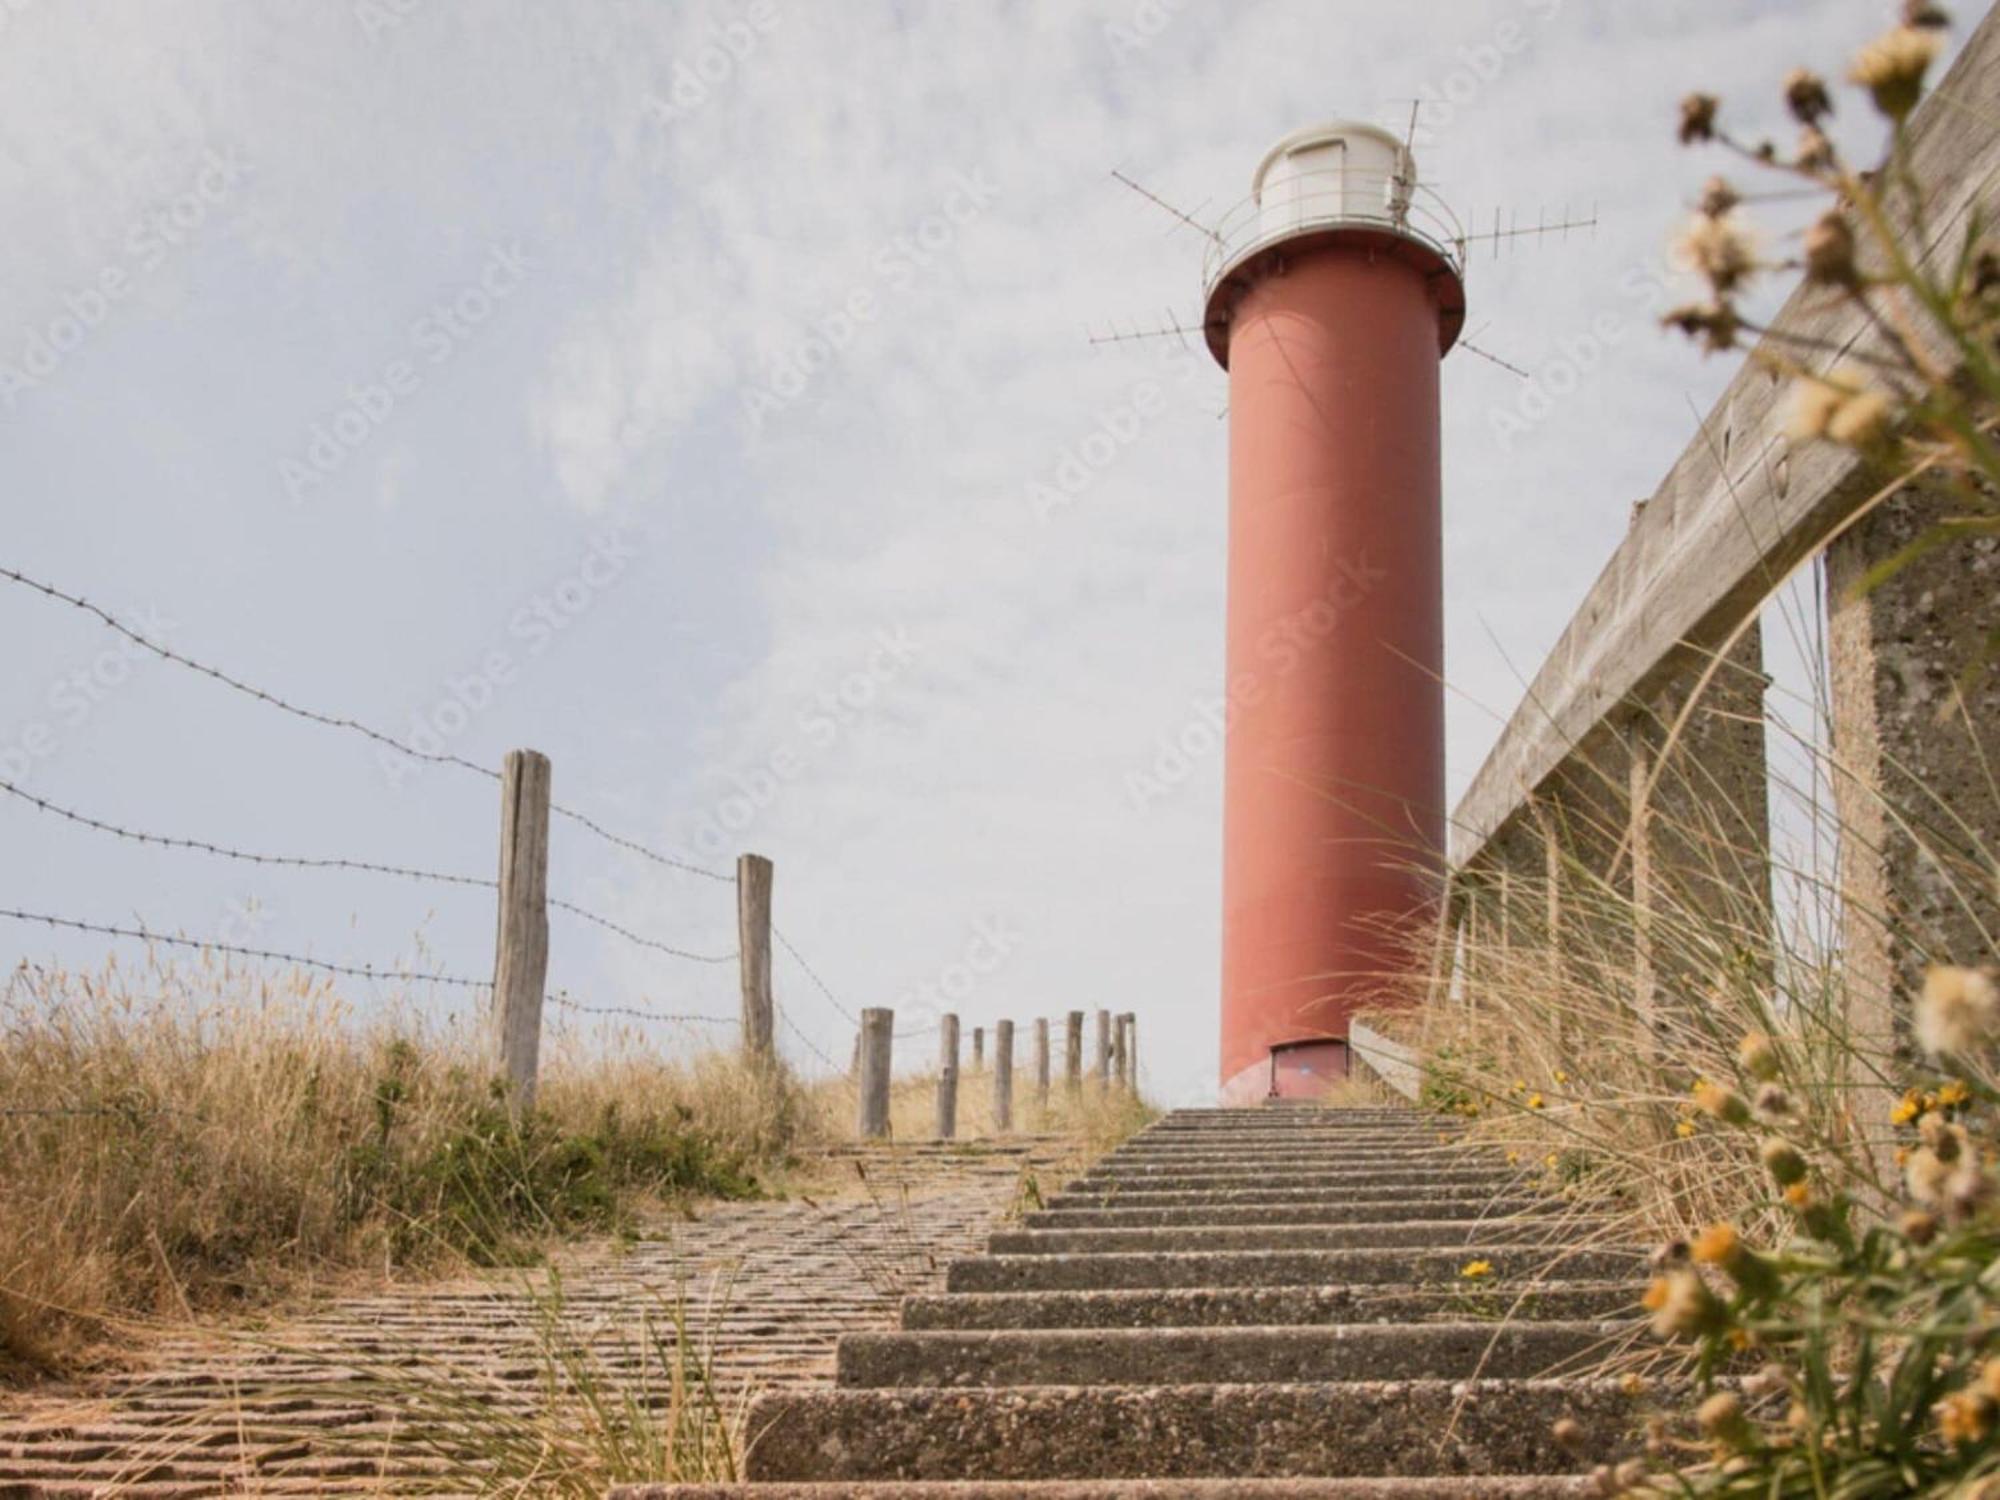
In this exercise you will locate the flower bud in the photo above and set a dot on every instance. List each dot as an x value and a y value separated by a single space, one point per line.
1721 1417
1783 1162
1757 1056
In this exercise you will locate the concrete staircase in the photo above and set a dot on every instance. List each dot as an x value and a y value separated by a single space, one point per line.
1236 1303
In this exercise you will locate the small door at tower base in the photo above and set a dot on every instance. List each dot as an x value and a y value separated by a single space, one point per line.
1305 1070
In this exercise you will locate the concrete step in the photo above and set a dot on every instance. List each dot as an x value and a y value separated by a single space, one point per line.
1505 1487
1437 1158
1332 1430
1215 1140
1227 1307
1325 1210
1357 1153
1221 1356
1238 1268
1539 1229
1168 1176
1105 1195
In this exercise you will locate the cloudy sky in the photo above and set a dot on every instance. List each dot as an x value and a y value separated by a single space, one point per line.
680 389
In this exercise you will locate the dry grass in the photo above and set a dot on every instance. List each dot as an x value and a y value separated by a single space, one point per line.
183 1141
177 1141
1578 1019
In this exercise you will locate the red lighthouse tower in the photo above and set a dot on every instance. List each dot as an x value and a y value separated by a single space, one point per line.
1332 296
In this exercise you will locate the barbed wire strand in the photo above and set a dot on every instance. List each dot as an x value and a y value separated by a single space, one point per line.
644 942
300 960
167 653
224 851
365 866
637 1015
335 721
811 1046
813 975
637 848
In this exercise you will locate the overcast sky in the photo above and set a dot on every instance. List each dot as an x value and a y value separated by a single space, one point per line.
681 389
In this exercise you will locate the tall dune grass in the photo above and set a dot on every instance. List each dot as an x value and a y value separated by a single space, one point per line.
180 1139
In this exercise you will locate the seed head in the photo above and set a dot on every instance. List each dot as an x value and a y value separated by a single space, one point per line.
1783 1162
1719 248
1721 1417
1723 1102
1918 1227
1757 1056
1682 1306
1773 1103
1830 252
1698 118
1956 1011
1806 96
1718 197
1569 1435
1919 13
1862 421
1892 67
1927 1178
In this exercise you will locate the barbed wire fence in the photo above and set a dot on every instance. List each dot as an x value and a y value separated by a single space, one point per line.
520 890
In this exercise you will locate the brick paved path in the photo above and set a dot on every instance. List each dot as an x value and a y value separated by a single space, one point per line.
769 1288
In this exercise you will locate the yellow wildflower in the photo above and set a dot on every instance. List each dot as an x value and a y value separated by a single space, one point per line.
1534 1101
1684 1129
1472 1270
1953 1094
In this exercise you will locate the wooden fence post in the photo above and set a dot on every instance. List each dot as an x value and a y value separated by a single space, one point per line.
1130 1025
978 1048
877 1025
1118 1051
1003 1077
1073 1052
753 946
947 1091
1042 1064
521 954
1101 1061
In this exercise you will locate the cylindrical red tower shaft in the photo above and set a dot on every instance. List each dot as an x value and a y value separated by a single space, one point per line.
1332 326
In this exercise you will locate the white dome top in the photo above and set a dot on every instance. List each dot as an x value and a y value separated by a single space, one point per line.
1368 147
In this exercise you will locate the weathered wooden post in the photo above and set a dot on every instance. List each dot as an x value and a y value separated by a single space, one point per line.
1003 1077
978 1048
1118 1051
1128 1050
1101 1060
1073 1052
521 953
753 946
1042 1064
877 1024
947 1088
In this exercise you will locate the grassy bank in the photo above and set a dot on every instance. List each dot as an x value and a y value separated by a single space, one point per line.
178 1141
